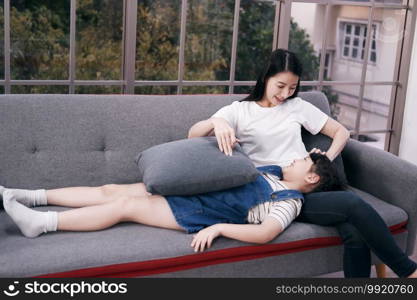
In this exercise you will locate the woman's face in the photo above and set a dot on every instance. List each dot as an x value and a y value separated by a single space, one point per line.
278 88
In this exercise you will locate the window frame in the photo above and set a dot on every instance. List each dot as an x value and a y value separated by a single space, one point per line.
280 39
341 35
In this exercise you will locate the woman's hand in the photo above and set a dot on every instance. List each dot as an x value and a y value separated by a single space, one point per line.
225 135
339 134
316 150
205 237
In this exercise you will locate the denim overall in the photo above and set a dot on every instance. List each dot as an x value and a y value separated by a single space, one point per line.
196 212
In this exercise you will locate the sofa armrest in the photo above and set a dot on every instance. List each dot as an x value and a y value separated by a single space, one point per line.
385 176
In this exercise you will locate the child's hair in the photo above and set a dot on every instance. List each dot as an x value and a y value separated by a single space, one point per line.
280 61
330 180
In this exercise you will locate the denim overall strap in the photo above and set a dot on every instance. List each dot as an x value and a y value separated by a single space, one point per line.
287 194
284 194
273 169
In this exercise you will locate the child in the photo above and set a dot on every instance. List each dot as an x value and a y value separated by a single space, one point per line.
269 204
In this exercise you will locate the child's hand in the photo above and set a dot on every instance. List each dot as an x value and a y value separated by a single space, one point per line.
205 237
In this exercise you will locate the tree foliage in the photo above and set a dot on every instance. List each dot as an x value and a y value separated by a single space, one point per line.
40 43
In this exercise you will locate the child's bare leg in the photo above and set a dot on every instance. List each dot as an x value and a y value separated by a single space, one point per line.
152 210
86 196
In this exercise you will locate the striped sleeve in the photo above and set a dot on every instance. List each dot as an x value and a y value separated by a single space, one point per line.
285 211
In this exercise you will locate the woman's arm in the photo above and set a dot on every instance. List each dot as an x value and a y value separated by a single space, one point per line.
202 128
339 134
219 127
251 233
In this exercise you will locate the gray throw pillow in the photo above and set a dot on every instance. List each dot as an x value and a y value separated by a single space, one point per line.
193 166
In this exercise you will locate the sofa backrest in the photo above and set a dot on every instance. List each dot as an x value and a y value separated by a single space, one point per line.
53 141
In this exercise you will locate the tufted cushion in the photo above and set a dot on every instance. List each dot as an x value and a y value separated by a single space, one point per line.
50 141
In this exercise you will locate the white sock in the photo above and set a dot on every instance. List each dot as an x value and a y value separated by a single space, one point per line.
29 198
30 222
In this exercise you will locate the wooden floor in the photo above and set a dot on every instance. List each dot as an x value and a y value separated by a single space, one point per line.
390 273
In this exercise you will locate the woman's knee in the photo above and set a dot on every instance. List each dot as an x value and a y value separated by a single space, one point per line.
341 203
350 201
356 204
351 236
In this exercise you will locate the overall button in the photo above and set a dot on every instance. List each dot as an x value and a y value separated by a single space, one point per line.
274 196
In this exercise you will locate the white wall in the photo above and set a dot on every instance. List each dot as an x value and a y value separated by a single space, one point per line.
305 15
408 144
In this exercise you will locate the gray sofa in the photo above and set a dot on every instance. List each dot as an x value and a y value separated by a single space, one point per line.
50 141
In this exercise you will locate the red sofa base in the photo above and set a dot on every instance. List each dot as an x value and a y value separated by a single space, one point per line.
158 266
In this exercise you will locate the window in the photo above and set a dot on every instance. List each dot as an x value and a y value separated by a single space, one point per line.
213 46
327 64
354 39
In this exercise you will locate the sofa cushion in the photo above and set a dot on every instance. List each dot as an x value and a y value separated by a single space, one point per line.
45 148
193 166
52 141
130 249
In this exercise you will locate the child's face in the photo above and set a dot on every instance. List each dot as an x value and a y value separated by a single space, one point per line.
298 169
279 87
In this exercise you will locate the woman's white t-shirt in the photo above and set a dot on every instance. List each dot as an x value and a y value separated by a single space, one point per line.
272 135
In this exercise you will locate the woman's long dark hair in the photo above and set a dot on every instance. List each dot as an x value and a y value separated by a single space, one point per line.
280 61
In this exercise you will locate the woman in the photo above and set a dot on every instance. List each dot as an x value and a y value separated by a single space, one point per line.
267 124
